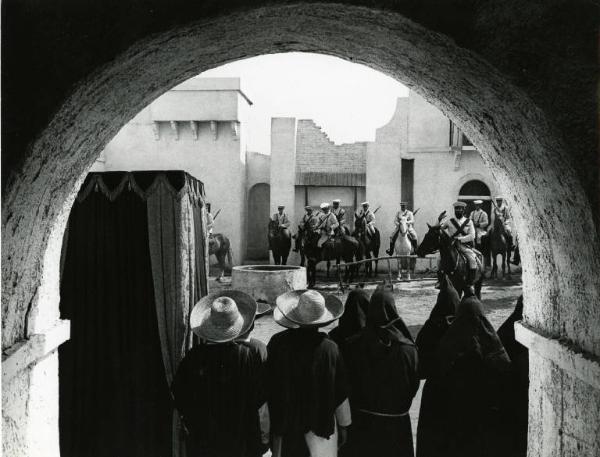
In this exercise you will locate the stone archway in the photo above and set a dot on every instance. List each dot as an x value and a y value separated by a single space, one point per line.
511 133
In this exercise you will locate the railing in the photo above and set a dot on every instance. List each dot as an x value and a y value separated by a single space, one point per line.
388 259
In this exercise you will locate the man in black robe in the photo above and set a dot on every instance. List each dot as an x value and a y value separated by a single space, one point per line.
219 385
307 382
474 370
382 366
516 408
432 423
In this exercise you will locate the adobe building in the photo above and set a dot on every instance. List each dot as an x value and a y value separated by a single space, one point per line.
518 77
199 126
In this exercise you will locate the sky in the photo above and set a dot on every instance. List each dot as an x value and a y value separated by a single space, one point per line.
349 101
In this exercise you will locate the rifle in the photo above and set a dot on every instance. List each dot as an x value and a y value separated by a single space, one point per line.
416 211
363 216
216 214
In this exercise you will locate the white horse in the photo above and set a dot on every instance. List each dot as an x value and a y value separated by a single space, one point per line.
403 246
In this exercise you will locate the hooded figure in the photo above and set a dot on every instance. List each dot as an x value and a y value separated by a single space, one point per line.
474 370
431 422
382 369
354 318
516 411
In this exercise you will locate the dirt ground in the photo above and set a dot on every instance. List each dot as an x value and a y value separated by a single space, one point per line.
414 301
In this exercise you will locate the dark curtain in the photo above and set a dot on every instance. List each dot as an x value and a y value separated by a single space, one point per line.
114 393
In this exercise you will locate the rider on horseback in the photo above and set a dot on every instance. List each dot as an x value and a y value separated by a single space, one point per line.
369 218
283 220
501 210
308 224
461 229
480 222
410 220
340 214
327 224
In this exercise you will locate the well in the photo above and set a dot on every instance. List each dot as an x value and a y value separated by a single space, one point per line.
267 282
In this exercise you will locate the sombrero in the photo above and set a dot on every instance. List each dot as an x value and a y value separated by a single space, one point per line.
280 319
223 316
309 308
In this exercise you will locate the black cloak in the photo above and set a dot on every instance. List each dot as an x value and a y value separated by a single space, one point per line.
307 382
382 368
431 420
474 370
354 318
218 389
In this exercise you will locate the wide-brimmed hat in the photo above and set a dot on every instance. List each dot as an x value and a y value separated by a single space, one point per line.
223 316
280 319
309 308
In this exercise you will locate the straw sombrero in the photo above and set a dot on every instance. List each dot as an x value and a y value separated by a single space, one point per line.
223 316
280 319
309 308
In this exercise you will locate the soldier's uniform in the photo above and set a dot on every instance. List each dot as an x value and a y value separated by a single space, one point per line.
410 221
504 212
283 220
327 224
210 223
369 218
308 223
340 214
463 230
480 222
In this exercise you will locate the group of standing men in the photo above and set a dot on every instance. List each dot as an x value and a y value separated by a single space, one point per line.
348 393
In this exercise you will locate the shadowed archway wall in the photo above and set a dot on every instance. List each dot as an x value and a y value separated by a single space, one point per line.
513 133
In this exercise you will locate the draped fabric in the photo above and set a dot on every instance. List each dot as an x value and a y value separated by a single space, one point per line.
474 373
128 314
218 389
382 365
432 420
354 317
177 263
307 382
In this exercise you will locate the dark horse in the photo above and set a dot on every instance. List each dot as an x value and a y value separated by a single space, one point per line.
220 247
337 248
499 244
368 246
451 261
279 244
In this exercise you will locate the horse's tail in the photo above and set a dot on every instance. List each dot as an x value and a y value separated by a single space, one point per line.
230 256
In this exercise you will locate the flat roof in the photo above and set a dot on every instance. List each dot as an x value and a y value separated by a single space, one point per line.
196 84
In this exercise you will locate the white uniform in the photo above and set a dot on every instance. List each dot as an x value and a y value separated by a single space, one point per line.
504 212
410 221
369 219
468 230
480 222
327 225
282 218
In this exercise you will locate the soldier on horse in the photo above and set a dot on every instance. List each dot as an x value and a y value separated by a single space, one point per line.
308 223
461 229
282 219
502 211
327 225
480 222
410 221
340 214
369 218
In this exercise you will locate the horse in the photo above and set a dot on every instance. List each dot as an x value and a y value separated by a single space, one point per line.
220 247
369 245
337 248
403 246
499 244
452 261
279 244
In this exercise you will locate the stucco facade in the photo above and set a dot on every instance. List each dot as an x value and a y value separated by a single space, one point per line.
199 126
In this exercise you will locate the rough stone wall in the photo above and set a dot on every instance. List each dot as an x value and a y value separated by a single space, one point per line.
510 103
315 152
